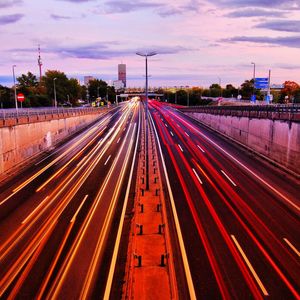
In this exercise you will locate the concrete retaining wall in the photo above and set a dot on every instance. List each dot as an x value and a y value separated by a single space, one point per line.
18 143
276 139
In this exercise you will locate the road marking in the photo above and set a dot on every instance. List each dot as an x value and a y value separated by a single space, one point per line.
186 266
228 178
118 140
244 166
180 148
107 160
292 246
77 211
29 180
186 134
118 238
171 133
197 175
33 212
200 148
250 266
166 125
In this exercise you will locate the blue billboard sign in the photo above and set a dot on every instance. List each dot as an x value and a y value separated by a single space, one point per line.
261 83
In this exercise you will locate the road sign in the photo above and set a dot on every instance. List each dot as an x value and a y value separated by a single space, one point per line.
20 97
261 83
253 98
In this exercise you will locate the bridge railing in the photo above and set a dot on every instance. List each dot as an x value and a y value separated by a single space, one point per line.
294 108
282 112
27 112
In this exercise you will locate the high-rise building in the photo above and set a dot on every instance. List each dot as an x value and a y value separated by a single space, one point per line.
122 73
87 79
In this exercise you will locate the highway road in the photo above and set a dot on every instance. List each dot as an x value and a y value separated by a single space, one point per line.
59 219
234 219
239 217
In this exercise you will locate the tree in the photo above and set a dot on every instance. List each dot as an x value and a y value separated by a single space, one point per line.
230 91
29 86
215 90
61 85
27 81
195 96
97 88
6 97
83 92
290 90
73 91
247 89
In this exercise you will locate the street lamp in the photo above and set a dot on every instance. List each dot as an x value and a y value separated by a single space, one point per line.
146 55
13 69
55 104
253 80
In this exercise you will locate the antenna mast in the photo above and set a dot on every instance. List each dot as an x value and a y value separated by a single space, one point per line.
40 62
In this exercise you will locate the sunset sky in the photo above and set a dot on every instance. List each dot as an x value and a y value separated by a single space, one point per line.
198 42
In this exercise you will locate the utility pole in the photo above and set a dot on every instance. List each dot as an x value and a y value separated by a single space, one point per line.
253 95
15 87
146 55
269 88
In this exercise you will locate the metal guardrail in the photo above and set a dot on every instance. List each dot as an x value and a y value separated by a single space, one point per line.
293 108
27 112
273 112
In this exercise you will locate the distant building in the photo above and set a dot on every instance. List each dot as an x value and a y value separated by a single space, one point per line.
87 79
118 85
122 73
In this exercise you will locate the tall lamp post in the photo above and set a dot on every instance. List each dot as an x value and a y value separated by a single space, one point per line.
55 103
146 55
253 80
15 88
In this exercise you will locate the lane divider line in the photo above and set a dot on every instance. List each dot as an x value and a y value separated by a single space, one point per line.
121 223
186 266
244 166
107 160
79 208
232 182
292 246
263 289
200 148
196 174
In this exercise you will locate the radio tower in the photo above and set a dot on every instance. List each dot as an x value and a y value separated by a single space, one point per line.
40 62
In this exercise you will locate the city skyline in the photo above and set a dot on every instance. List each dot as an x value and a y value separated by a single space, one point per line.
198 42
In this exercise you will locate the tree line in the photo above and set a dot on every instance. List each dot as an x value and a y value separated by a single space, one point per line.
69 92
290 93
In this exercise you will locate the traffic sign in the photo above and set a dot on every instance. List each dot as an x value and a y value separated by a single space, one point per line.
20 97
261 83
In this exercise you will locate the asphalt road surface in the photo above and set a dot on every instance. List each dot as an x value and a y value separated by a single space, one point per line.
239 217
58 218
61 218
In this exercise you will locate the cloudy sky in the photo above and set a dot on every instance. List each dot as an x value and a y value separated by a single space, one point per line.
199 42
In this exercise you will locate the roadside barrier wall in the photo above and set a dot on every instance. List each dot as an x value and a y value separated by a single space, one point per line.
278 140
